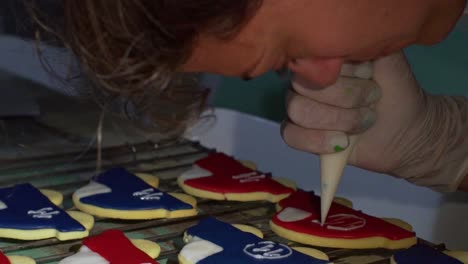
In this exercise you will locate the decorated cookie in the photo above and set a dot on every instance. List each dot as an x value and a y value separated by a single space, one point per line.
298 219
120 194
113 247
26 213
213 241
220 177
427 255
15 259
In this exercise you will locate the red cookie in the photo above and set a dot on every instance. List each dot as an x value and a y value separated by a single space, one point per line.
299 220
114 247
220 177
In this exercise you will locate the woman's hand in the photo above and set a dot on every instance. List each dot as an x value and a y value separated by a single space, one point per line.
404 132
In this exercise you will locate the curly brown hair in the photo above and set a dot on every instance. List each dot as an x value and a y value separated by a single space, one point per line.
134 48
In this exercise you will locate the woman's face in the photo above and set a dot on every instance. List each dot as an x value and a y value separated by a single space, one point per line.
314 37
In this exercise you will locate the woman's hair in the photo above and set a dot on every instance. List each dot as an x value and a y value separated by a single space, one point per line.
133 49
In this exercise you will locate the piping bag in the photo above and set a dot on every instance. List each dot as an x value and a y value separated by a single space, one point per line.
332 165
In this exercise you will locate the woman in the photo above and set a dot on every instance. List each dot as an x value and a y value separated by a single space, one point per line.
141 48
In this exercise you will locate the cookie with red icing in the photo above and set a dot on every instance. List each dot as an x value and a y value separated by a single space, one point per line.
298 219
220 177
113 247
15 259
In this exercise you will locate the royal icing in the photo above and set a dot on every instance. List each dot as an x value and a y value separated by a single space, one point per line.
195 173
199 249
110 247
222 174
85 255
28 209
93 188
232 246
423 254
4 259
120 190
3 205
301 213
291 214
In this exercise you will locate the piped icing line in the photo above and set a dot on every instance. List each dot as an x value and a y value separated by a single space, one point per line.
300 212
148 195
213 241
119 189
220 173
423 254
28 209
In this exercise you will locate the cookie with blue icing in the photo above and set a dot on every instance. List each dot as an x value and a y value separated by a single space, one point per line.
212 241
426 255
26 213
119 194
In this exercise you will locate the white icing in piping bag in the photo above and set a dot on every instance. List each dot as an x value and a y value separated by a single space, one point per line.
332 166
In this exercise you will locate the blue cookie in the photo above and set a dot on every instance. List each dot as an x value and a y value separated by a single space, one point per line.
120 194
214 242
27 214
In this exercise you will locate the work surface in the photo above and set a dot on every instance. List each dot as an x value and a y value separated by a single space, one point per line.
167 160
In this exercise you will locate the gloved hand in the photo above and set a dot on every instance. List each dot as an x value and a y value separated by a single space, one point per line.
405 132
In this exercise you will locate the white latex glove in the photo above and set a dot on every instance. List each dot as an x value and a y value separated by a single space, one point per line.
405 133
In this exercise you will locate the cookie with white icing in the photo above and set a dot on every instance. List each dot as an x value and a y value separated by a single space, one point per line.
15 259
113 247
119 194
298 219
220 177
27 213
428 255
213 241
